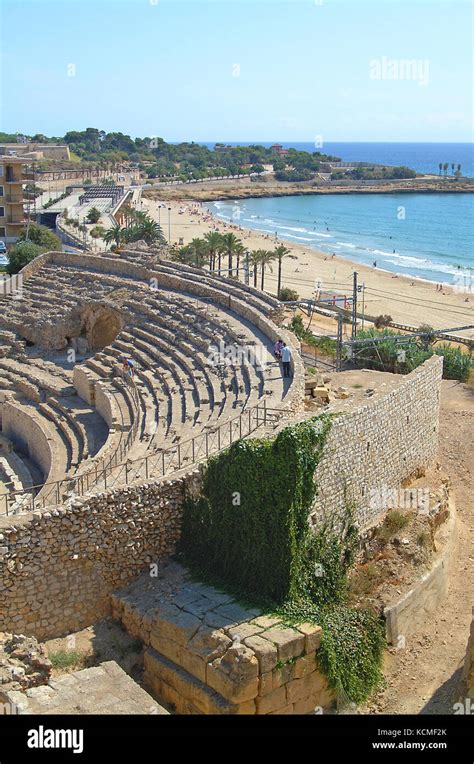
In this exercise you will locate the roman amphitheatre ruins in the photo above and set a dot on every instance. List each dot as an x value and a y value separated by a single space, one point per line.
97 466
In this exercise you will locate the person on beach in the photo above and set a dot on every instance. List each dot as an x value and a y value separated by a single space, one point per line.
286 360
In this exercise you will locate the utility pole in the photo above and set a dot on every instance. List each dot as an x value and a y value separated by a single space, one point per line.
363 306
354 307
169 225
339 343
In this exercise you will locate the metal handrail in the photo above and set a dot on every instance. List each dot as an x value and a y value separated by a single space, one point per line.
162 462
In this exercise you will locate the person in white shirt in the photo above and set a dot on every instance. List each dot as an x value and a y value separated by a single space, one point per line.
286 360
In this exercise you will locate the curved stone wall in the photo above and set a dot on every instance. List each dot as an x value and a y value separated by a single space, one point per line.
379 445
58 567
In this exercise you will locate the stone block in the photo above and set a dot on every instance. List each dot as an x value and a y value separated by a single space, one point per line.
306 706
235 613
304 665
194 664
168 648
313 635
266 621
289 642
283 674
242 631
271 702
265 651
209 643
190 689
288 709
235 675
307 686
175 625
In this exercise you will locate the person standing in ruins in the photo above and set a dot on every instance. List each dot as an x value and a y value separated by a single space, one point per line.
286 360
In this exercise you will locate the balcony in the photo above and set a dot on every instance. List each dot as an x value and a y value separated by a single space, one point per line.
13 198
12 178
14 220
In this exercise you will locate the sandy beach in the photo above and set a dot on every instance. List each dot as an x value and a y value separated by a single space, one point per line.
410 301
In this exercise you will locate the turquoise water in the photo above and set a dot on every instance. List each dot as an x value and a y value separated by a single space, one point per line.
428 236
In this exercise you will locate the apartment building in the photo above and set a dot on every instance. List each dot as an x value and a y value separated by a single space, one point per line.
14 174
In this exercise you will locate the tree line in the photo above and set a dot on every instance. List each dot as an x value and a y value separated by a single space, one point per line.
225 254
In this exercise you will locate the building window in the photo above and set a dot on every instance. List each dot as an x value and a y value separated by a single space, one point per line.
2 232
1 190
2 212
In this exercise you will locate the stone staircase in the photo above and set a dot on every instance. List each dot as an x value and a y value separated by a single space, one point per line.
202 348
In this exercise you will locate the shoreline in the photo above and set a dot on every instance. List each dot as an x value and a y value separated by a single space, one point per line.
412 301
243 188
356 263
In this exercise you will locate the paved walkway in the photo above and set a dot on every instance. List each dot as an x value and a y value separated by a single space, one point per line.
104 689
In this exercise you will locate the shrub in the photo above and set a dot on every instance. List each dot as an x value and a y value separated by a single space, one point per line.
21 254
93 215
97 232
385 356
288 295
457 363
383 320
394 521
42 236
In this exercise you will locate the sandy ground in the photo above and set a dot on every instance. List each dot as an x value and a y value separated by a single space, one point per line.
412 302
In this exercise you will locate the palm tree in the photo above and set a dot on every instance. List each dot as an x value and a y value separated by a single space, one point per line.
198 252
266 258
230 242
114 234
150 231
213 240
239 250
280 252
440 167
445 168
254 260
129 215
452 168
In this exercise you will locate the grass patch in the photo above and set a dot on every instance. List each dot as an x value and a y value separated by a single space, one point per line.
66 660
394 522
423 539
366 580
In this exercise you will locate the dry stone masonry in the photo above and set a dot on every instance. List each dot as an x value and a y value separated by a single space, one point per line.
206 654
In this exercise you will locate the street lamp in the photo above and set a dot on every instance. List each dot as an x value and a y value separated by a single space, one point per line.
169 225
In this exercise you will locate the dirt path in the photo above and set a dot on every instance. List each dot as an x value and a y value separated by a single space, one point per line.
425 676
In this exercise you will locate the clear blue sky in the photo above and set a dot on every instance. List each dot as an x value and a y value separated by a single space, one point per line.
167 69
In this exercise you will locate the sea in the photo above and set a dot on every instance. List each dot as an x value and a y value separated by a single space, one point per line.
424 236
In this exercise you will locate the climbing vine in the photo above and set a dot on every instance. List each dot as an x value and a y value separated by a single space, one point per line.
249 532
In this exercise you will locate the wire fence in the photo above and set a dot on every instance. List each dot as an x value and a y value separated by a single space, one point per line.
117 472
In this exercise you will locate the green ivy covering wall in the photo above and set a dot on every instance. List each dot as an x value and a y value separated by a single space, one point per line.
249 533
